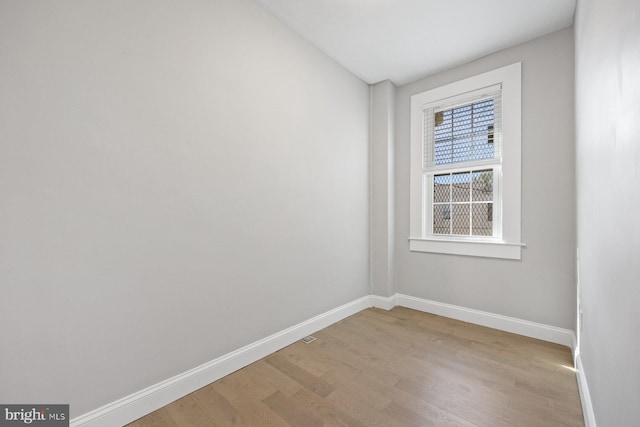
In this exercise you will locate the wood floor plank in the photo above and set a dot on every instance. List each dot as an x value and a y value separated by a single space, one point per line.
290 411
324 410
393 368
353 387
217 408
262 372
461 405
159 418
186 412
360 410
428 415
245 402
313 383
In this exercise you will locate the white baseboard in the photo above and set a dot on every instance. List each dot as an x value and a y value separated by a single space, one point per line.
585 396
138 404
385 303
491 320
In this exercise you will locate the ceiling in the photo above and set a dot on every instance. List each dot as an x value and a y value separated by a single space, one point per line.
402 40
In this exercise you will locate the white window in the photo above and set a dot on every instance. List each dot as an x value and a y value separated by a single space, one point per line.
465 166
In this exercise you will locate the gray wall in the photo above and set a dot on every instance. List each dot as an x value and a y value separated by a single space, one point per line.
540 287
608 201
177 179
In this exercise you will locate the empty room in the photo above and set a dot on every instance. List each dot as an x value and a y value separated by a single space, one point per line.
319 213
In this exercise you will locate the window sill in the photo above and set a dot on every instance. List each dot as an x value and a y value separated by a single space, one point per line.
486 249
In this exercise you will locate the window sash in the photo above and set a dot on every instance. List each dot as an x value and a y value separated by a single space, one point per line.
496 204
461 139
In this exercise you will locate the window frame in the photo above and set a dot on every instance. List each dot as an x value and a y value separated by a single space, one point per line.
507 187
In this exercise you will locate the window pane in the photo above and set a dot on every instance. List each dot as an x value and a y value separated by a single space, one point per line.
482 219
460 187
442 219
460 218
482 185
441 188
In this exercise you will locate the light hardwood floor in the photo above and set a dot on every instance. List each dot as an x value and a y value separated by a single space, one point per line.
399 367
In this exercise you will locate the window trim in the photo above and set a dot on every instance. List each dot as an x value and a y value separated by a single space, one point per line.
508 244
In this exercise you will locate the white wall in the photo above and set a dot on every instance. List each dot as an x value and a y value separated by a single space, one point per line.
540 287
607 48
177 179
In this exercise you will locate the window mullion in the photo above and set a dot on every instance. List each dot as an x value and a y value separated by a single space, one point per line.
470 204
473 148
451 214
453 143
